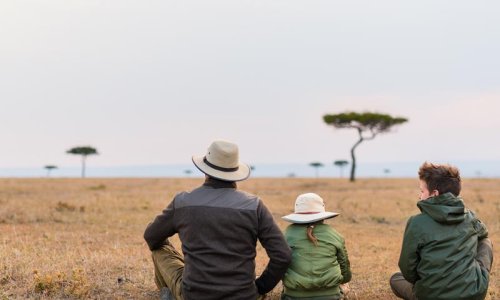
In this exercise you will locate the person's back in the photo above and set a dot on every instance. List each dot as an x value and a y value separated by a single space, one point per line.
446 235
320 263
219 227
439 256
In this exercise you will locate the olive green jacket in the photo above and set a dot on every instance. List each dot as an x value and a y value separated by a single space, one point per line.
316 271
439 250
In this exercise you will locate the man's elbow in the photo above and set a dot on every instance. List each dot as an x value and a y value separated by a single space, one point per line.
150 239
148 242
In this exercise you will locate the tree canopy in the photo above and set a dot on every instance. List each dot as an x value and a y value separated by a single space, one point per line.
340 163
373 122
82 150
368 125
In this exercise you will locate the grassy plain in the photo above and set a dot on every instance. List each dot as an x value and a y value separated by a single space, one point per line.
74 238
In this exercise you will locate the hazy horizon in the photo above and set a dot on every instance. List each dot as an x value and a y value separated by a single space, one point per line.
468 169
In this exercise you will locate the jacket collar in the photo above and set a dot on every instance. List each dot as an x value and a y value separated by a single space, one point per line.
218 184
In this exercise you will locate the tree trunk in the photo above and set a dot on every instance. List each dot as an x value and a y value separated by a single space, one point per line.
83 165
353 164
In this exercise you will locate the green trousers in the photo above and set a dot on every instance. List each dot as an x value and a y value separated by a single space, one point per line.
169 266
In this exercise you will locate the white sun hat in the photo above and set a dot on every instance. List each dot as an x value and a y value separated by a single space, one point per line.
222 162
309 208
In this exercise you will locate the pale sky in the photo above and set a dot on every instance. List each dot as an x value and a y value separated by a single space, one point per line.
154 82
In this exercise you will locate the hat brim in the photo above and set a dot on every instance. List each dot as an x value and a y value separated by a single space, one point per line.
309 218
242 173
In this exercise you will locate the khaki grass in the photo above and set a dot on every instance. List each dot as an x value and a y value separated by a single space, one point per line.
73 238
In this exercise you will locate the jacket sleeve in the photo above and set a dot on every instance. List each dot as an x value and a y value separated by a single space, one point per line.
343 260
161 228
479 227
277 250
410 257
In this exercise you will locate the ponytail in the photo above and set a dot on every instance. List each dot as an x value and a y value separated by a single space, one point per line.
310 234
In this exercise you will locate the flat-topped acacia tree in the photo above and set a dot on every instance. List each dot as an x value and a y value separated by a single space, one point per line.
316 165
368 125
49 168
84 151
341 164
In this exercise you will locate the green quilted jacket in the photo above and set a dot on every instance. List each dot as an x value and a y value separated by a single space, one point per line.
316 271
439 249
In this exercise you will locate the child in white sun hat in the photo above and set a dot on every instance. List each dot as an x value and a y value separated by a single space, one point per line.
320 264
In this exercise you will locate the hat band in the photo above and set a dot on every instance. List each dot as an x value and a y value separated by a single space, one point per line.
219 168
308 213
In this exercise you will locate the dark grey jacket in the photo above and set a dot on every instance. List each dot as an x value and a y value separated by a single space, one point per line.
219 227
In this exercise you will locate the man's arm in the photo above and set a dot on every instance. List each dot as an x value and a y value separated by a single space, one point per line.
277 249
161 228
409 258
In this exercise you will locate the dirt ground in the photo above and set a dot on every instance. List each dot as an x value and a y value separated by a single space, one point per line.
82 238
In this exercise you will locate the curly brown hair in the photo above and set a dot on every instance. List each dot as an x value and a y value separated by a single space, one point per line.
441 177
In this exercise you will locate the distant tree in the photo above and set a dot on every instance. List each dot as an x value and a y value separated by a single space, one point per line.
387 171
252 167
49 168
188 172
84 151
291 175
341 164
365 123
316 165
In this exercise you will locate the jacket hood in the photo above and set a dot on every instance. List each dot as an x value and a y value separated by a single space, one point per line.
445 208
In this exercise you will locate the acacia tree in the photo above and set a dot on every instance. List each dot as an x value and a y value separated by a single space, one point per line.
316 165
341 164
84 151
49 168
367 124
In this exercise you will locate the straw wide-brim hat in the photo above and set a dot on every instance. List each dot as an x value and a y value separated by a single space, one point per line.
222 162
309 208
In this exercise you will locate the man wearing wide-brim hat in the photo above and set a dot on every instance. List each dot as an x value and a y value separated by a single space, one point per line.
218 226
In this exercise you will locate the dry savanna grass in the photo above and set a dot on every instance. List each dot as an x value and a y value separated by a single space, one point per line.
74 238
